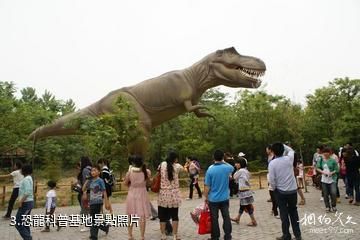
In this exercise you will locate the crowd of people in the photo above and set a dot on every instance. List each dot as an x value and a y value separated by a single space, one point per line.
329 167
225 178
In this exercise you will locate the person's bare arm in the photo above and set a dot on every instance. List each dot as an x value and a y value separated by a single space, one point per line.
84 187
206 193
22 200
5 176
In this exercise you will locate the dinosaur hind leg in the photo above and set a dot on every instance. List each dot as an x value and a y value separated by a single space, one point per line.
140 144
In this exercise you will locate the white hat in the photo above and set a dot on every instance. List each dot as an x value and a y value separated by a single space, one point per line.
241 154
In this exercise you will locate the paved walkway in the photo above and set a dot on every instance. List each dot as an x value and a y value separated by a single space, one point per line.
268 226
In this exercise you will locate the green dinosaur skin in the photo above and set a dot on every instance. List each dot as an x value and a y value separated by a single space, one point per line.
165 97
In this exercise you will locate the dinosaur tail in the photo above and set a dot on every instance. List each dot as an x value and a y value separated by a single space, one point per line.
62 126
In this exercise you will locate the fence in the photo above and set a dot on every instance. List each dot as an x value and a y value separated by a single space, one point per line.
69 197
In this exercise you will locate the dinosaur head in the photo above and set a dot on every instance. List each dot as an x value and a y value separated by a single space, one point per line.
234 70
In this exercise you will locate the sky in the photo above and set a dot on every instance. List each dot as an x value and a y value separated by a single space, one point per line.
83 49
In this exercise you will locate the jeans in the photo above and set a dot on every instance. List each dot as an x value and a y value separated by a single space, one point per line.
21 226
337 188
346 182
191 186
94 229
329 189
354 184
287 206
214 213
14 195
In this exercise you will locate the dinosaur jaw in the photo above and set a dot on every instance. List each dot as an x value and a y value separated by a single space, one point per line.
252 76
233 75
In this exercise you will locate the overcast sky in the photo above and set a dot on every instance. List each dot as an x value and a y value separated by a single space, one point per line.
82 49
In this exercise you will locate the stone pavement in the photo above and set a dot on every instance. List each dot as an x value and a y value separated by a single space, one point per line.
333 227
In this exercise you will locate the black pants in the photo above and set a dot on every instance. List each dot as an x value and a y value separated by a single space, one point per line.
79 197
191 186
51 216
214 213
14 196
232 187
94 229
287 206
274 203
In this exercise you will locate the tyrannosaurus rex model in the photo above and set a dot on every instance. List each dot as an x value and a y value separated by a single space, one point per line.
162 98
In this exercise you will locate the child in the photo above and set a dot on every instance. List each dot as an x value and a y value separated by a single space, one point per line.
50 205
242 177
97 193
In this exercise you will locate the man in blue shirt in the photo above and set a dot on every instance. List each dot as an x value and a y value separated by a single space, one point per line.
217 194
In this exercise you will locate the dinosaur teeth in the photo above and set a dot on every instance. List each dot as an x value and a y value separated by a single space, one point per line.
250 72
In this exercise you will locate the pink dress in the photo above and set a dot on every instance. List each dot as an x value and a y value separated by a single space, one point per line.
137 200
169 194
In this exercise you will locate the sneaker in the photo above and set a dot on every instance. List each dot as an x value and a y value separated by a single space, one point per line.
6 217
338 200
321 199
357 204
277 217
346 196
334 209
153 218
85 229
269 200
187 199
328 210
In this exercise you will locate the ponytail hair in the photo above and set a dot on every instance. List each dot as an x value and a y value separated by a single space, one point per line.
172 156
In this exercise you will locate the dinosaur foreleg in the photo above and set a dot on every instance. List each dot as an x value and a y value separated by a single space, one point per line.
196 109
200 114
192 108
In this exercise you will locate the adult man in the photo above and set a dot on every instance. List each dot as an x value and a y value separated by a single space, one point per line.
282 180
216 194
17 177
296 173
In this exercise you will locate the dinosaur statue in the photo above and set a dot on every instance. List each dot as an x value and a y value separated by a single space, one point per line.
162 98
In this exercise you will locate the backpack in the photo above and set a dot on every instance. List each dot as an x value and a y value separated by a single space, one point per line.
110 180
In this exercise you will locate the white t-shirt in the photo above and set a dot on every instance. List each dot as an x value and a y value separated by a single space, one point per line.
17 177
324 177
50 200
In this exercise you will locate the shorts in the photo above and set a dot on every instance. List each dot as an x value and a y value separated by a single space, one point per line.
165 214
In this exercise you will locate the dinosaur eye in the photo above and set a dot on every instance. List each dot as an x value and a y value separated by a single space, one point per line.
219 53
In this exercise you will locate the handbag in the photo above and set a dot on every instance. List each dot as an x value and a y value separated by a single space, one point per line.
205 222
155 184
